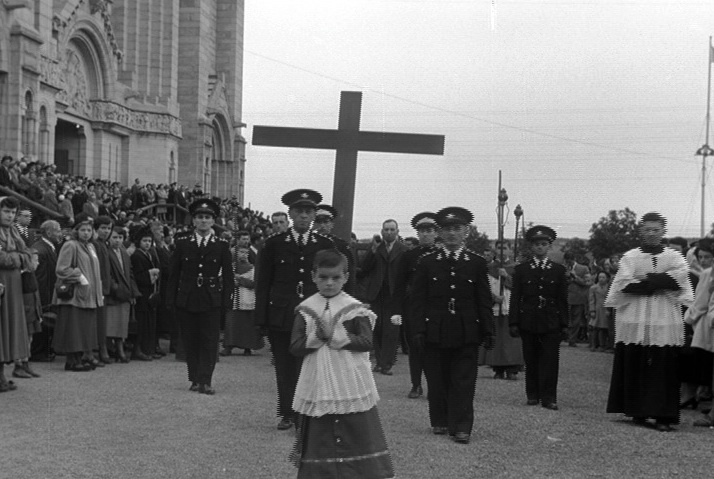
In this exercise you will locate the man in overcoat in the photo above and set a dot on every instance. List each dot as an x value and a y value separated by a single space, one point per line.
452 317
284 281
199 289
381 266
47 248
538 313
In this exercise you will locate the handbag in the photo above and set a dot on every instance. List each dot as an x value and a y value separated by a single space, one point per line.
64 290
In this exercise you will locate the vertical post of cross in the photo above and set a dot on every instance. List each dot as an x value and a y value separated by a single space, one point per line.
343 186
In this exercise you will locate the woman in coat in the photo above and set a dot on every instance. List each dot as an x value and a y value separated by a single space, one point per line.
146 273
14 258
76 328
122 293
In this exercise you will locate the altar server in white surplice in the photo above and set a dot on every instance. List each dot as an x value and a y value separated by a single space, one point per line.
648 292
339 431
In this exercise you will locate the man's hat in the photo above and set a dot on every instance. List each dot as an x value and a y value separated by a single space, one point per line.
326 210
301 197
425 219
204 205
540 232
454 215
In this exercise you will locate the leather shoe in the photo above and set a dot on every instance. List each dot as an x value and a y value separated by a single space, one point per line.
194 387
662 427
142 357
387 371
532 402
224 352
377 369
551 405
415 392
285 423
18 372
462 437
206 389
439 430
703 422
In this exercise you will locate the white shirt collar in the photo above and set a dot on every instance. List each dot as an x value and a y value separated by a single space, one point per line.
199 237
456 254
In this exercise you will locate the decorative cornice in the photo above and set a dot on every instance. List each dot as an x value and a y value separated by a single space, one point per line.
142 121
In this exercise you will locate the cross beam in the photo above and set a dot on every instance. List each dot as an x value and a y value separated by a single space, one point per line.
347 141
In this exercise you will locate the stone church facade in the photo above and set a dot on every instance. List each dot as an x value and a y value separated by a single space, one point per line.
125 89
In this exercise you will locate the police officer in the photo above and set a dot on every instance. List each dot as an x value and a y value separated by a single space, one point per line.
324 222
199 289
284 281
538 313
425 225
452 316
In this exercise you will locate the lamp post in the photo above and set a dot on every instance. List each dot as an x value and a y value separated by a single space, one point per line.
704 151
518 212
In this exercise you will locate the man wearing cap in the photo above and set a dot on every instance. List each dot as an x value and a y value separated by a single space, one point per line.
425 225
452 316
324 222
284 281
381 266
538 313
199 289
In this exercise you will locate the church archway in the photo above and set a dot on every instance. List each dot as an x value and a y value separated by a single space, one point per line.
70 142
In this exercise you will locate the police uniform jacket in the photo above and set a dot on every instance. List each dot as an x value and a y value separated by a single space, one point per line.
344 247
451 299
539 298
200 278
284 277
407 270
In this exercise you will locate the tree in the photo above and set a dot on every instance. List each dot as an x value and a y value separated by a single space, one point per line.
575 246
477 241
614 233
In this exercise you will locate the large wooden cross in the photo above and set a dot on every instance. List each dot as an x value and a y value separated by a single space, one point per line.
347 140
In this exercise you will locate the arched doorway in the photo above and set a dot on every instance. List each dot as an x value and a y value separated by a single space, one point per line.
69 145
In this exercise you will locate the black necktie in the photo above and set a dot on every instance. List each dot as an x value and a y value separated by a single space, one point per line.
203 242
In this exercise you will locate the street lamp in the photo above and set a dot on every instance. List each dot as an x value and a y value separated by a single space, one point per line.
518 212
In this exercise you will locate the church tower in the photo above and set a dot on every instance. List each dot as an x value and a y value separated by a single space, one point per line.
125 89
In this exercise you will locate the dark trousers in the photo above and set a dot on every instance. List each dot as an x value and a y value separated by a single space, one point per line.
199 331
540 353
578 321
386 334
101 326
416 355
287 371
145 331
451 377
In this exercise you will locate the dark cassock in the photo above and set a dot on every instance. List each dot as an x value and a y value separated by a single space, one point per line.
452 317
648 292
538 313
283 281
199 288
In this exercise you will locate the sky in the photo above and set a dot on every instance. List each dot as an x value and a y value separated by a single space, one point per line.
584 106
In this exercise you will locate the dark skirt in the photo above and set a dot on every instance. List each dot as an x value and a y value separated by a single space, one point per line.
240 331
118 320
342 445
645 382
76 329
507 351
695 366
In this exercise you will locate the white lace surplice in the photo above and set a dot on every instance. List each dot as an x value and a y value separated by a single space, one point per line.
334 380
654 320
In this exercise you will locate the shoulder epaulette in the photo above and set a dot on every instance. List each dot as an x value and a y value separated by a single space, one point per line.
275 235
183 235
472 252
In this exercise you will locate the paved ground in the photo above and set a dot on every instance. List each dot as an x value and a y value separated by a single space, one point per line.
139 421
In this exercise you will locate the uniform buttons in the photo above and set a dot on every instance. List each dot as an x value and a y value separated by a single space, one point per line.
200 266
337 421
453 287
338 440
302 258
453 274
302 270
540 287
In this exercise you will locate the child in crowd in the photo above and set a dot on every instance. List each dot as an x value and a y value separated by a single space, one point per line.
339 431
599 314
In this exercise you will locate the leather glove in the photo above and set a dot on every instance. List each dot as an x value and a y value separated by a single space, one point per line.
488 342
419 342
514 332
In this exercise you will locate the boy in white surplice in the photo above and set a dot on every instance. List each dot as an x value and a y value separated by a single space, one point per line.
339 431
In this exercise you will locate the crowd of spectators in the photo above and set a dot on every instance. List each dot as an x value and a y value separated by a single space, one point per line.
139 203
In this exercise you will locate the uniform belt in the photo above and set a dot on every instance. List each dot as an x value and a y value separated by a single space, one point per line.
200 280
543 302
